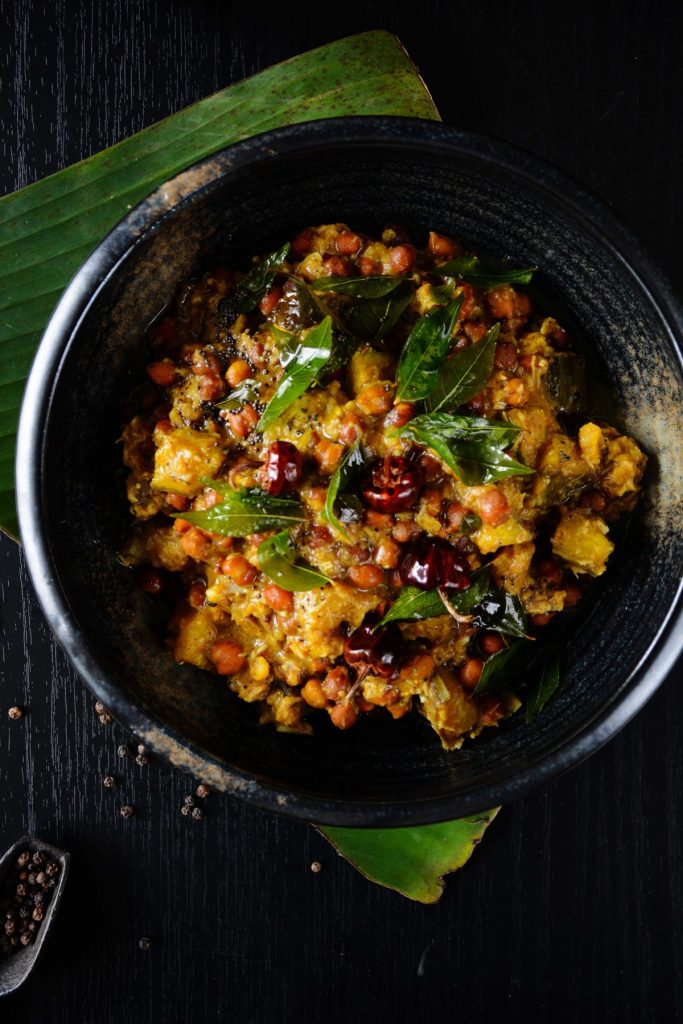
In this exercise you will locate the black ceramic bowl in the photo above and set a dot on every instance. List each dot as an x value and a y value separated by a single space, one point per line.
250 198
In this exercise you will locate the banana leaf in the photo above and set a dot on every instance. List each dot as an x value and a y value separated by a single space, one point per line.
49 228
412 861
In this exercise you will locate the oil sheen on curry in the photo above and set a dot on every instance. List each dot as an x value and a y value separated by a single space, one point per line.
364 479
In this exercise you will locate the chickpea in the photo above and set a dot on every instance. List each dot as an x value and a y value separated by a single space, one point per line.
388 553
442 245
278 599
303 242
572 595
502 301
242 423
239 569
151 580
405 531
477 404
368 267
343 715
348 243
401 414
312 693
366 577
455 513
194 543
402 258
204 361
376 399
493 507
336 683
211 387
227 657
270 300
470 672
593 500
506 356
335 266
182 526
351 428
431 501
164 373
327 455
490 643
474 330
238 371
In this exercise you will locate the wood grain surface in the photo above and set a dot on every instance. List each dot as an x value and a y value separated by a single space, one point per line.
571 910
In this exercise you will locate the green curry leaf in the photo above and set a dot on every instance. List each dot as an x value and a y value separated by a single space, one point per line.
413 604
499 667
304 363
243 512
276 558
503 612
465 374
249 291
473 270
371 319
543 687
424 352
353 461
247 391
473 447
358 287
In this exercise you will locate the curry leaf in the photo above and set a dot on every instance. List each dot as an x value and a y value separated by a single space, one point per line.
425 350
499 667
303 367
246 391
358 287
370 319
353 460
241 513
413 604
411 861
249 291
473 447
543 687
465 374
503 612
473 270
276 557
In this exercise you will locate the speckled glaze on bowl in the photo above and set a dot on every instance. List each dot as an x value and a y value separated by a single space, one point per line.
248 198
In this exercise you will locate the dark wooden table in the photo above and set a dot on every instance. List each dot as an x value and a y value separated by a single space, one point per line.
572 908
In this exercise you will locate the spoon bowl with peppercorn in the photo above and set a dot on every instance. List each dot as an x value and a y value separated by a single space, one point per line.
251 198
32 879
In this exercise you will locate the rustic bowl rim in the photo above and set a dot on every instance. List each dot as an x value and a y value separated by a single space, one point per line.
412 133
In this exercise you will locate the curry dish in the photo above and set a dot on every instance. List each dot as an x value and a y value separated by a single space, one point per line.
364 475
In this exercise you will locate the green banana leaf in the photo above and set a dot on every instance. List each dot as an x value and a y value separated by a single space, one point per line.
412 861
48 229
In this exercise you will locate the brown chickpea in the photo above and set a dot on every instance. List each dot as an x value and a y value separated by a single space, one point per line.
470 672
227 657
239 569
572 594
368 267
270 300
277 598
351 428
441 245
366 577
401 414
242 423
343 716
211 387
348 243
196 594
455 513
542 619
195 543
303 242
493 507
548 569
336 683
402 258
506 356
405 531
335 266
380 520
490 643
327 455
164 373
474 330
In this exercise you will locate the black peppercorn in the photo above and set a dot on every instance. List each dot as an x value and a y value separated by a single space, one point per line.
123 750
127 811
142 760
52 868
202 791
23 859
197 813
145 943
108 781
14 713
185 809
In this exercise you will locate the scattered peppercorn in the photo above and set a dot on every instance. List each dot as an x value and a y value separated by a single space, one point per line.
316 866
145 943
142 760
24 897
185 809
197 813
202 791
189 800
127 811
142 749
108 781
14 713
105 718
123 750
